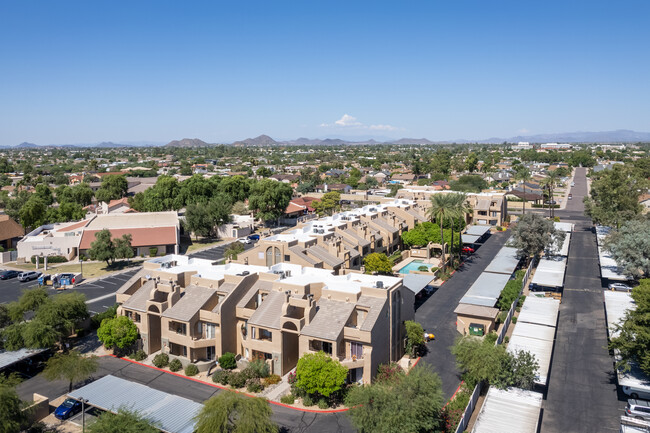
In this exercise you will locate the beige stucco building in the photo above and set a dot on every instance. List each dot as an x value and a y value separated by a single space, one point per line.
197 311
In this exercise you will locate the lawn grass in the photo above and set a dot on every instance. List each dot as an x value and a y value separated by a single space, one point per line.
90 269
202 243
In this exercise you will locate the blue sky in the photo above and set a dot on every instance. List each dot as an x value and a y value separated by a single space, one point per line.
90 71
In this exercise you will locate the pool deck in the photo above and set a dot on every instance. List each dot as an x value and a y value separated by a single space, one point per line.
409 260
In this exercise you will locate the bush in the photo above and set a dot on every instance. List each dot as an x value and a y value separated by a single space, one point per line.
227 361
237 380
506 339
514 320
248 373
153 252
556 219
323 404
272 379
502 317
288 399
221 376
491 338
389 373
161 360
434 268
259 368
307 400
291 378
423 268
140 355
191 370
175 364
254 385
110 313
499 228
50 259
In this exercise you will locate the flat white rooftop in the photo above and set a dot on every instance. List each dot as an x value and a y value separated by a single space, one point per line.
509 411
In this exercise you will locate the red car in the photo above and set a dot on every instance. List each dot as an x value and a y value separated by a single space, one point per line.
467 250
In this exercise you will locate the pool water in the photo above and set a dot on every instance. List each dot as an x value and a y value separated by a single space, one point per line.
413 266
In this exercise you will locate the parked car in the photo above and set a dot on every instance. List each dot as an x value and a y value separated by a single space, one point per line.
467 250
573 184
639 409
6 275
620 287
254 237
570 196
28 276
67 409
244 240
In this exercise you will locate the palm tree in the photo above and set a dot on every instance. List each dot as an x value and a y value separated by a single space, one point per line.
523 174
545 184
553 178
440 210
462 209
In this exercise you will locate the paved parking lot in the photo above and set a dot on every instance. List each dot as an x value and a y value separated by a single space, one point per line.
100 294
216 253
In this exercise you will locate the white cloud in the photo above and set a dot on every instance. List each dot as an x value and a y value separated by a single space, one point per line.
523 131
348 120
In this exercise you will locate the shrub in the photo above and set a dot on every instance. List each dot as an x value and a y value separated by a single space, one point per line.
434 268
110 313
153 251
248 373
227 361
140 355
502 316
389 373
556 219
221 376
259 368
237 380
161 360
506 339
423 268
491 338
514 320
191 370
323 404
272 379
291 378
307 400
254 385
175 364
499 228
50 259
288 399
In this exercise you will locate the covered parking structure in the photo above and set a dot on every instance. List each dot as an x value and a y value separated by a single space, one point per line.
417 282
609 269
549 274
475 234
171 413
486 289
505 262
512 410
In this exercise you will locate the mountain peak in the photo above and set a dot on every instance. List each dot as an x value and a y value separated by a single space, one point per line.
187 142
262 140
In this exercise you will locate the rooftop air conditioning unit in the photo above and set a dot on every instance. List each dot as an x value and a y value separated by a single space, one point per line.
245 273
380 284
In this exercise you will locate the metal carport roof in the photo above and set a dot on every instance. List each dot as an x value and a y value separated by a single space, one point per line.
477 230
539 311
550 272
12 357
173 414
416 282
509 411
505 262
470 239
486 289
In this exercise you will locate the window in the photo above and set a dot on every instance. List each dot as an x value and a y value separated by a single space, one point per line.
209 353
137 318
287 258
493 214
356 350
327 347
482 213
265 335
179 328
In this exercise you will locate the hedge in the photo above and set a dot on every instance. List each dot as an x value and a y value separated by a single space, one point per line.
50 259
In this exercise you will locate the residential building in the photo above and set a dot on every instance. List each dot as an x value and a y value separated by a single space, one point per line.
10 232
196 311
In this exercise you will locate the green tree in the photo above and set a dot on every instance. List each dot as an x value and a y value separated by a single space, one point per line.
264 172
70 211
124 421
633 339
270 199
233 250
12 416
614 195
471 162
102 248
123 248
440 210
44 192
415 238
328 203
164 195
411 403
468 183
630 247
534 233
414 338
523 174
239 208
63 313
230 412
118 332
71 366
198 220
377 262
32 213
319 373
114 186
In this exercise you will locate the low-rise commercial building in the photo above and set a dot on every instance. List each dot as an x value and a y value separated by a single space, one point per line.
197 311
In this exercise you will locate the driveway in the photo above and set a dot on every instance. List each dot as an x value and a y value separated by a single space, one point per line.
292 420
582 393
216 253
436 314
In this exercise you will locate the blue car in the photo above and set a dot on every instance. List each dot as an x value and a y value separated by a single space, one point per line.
254 237
67 409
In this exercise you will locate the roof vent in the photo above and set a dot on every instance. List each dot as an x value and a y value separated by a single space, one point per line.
379 284
245 273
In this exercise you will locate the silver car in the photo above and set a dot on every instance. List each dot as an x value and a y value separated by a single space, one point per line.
620 287
639 409
28 276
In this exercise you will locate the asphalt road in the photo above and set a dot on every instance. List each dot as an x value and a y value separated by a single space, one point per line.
582 394
292 420
437 313
216 253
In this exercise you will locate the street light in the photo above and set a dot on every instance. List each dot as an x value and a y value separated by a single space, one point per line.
81 263
83 414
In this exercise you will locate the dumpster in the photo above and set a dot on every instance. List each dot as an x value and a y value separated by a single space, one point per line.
45 280
476 329
69 279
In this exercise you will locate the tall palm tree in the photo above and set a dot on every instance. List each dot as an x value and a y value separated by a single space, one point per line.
523 174
553 179
462 209
440 210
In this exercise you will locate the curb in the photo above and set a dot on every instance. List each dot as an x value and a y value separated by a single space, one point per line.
214 385
454 394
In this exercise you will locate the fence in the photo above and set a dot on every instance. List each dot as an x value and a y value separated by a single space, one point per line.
513 307
467 414
8 256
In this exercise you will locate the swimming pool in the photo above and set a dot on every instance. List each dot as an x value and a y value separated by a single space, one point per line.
413 266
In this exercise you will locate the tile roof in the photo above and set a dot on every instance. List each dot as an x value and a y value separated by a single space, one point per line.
297 250
75 226
358 239
330 318
269 314
259 285
374 306
138 301
322 254
140 237
9 228
190 303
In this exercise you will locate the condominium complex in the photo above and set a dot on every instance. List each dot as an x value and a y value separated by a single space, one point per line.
196 311
339 242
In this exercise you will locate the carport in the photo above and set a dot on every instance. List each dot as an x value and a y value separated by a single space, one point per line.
511 410
475 234
549 274
486 289
173 414
417 282
505 262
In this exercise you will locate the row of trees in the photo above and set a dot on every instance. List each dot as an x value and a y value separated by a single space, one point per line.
449 208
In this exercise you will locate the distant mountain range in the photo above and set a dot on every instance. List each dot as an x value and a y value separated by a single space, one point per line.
618 136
